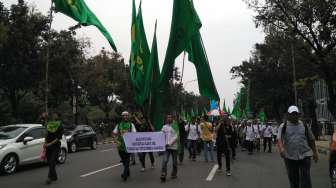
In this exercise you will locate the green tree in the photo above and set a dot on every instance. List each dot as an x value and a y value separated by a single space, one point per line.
104 77
312 21
270 71
20 55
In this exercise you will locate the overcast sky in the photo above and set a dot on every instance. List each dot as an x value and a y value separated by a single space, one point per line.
228 33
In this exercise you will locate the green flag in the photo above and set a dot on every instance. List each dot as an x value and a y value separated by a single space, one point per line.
262 116
192 113
139 58
205 111
177 130
183 115
197 55
188 118
224 107
79 11
185 36
152 77
247 109
236 111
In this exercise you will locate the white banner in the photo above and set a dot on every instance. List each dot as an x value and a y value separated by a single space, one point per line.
144 142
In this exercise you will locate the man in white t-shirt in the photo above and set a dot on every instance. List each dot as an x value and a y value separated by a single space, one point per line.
267 135
193 134
257 128
125 126
250 135
171 137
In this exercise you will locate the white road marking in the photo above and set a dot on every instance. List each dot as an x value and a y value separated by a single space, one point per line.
97 171
106 150
212 173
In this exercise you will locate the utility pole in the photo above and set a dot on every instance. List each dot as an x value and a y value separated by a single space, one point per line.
294 75
46 100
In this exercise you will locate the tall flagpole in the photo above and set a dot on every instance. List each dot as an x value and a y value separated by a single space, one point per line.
46 100
294 76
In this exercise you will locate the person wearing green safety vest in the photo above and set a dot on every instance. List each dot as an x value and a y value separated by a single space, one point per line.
123 127
52 144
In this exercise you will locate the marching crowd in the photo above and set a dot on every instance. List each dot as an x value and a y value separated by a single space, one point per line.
220 135
202 135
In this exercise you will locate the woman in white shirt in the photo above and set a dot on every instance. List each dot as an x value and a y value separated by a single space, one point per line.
193 134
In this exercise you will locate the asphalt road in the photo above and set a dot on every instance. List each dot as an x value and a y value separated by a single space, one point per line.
101 169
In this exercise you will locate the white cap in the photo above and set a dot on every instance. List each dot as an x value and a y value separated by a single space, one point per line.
292 109
124 113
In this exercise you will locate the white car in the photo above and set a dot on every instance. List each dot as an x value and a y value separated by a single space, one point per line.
22 144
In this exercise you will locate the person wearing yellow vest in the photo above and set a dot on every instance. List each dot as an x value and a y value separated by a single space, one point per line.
123 127
207 138
52 144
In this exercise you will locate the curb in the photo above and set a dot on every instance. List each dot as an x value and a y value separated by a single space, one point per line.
323 150
106 142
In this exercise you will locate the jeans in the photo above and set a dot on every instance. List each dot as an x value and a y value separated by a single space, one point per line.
208 149
142 158
269 142
250 146
299 173
233 148
220 150
52 155
257 144
165 160
192 148
125 159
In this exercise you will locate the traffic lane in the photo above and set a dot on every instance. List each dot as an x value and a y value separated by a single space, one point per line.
264 170
77 164
192 174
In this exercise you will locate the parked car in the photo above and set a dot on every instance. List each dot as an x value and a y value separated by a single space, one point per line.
81 136
22 144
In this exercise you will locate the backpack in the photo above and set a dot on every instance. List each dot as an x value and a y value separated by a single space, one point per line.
283 132
197 130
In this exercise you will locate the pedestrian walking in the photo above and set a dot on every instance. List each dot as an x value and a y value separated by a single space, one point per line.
143 125
241 135
257 129
222 142
123 127
267 135
296 145
182 138
249 136
171 138
193 135
53 144
233 139
275 128
207 138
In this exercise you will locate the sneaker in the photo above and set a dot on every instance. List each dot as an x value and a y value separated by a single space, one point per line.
124 177
142 170
228 173
163 178
48 181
